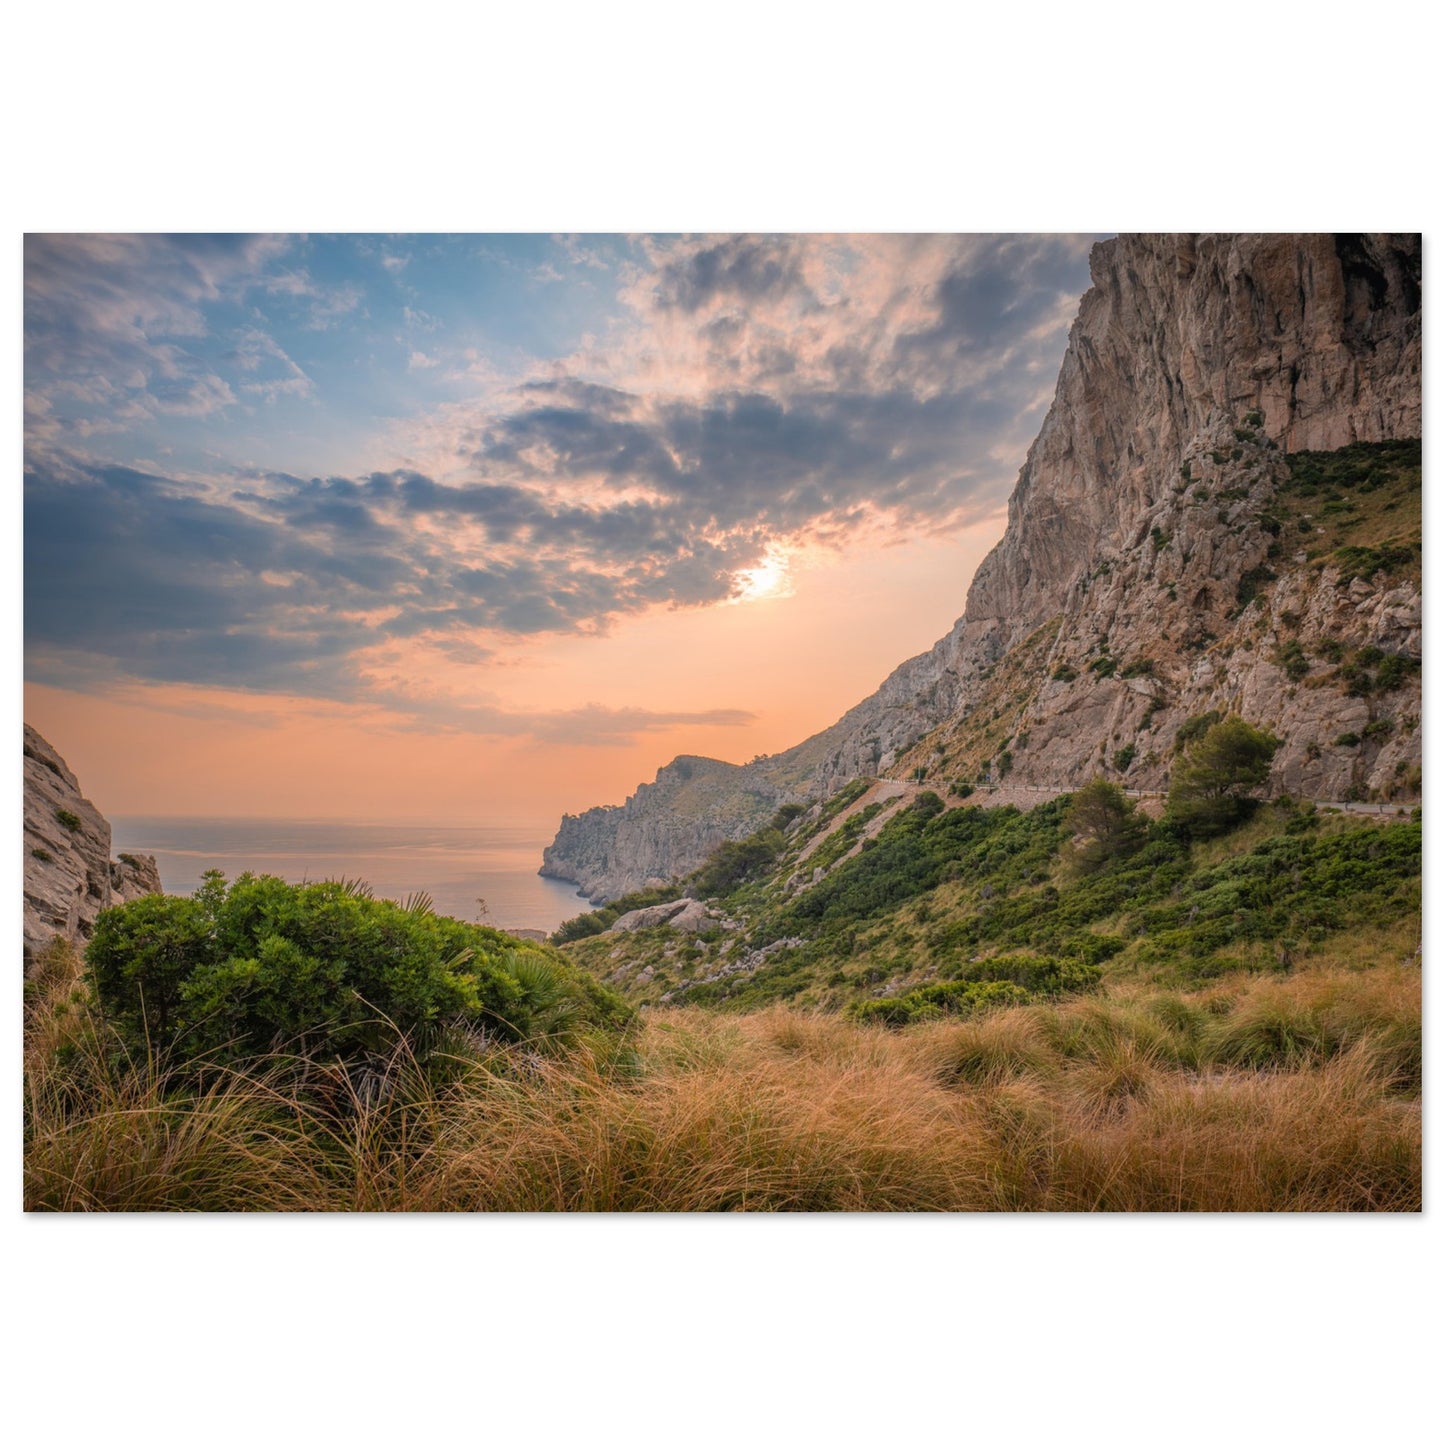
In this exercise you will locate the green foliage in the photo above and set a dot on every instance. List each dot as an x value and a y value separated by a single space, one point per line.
1194 728
1064 673
1104 666
1358 561
914 852
1288 887
1291 659
44 854
843 837
735 863
1252 583
232 973
1139 667
935 1001
1104 825
67 820
1209 790
1348 740
1393 670
599 920
1124 757
786 814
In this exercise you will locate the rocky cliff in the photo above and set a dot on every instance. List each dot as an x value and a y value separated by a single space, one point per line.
666 827
1175 546
69 873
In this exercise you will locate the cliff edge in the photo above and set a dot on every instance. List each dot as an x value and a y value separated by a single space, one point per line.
69 873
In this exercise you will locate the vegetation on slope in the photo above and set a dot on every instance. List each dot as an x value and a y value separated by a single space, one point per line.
1295 1093
1355 511
1358 508
946 900
1230 1022
325 970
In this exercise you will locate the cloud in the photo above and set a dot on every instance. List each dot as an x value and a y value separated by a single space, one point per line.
116 327
755 396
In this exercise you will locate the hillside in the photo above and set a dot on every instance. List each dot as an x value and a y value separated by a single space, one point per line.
1219 513
888 900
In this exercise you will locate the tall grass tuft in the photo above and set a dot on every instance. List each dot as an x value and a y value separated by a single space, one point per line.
1294 1093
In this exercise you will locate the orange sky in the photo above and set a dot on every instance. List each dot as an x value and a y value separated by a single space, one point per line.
797 662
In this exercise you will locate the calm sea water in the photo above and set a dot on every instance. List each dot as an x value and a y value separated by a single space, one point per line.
457 866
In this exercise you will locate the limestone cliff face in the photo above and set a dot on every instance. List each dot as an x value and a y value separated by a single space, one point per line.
665 828
69 873
1147 536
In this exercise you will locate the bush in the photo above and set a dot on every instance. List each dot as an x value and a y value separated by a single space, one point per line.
67 819
1210 790
1291 659
239 972
1104 826
936 1000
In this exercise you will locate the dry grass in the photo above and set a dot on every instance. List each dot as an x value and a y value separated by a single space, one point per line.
1297 1093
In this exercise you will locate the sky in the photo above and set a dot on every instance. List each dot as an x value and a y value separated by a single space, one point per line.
488 528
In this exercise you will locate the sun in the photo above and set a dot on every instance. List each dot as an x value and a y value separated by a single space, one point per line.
770 578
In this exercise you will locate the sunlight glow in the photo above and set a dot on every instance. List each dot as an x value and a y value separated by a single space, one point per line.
770 578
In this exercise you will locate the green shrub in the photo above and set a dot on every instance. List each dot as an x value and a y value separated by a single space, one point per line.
234 973
67 819
1104 825
44 854
1291 659
1209 791
1194 728
936 1000
1252 583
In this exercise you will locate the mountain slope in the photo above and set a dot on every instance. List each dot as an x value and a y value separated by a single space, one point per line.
1173 547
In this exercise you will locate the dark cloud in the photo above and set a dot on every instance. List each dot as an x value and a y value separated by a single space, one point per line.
818 400
744 269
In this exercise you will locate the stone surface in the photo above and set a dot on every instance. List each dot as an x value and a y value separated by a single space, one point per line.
1178 341
69 874
666 828
687 915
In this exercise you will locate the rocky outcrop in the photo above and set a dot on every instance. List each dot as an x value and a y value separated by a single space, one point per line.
69 873
1139 542
687 915
665 828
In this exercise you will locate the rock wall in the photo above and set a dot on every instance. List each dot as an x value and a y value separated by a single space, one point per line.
69 873
1221 352
665 828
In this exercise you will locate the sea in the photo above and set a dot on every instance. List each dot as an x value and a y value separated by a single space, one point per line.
476 874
